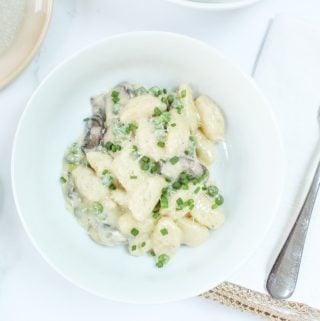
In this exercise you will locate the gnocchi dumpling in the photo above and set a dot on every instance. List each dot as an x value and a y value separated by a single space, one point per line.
112 212
204 148
124 167
204 214
145 196
143 191
88 184
99 161
193 234
146 140
190 111
177 139
211 118
129 226
120 197
140 107
166 237
140 245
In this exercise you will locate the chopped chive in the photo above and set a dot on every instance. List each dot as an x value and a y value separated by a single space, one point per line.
108 145
97 207
115 93
152 253
133 247
156 215
134 232
115 96
161 144
164 231
212 190
86 119
168 179
173 125
200 178
219 200
105 172
179 109
162 260
143 244
112 147
157 112
63 180
112 187
170 99
145 159
144 166
174 160
176 185
179 201
115 100
164 201
190 203
153 168
197 190
181 204
183 93
130 128
133 177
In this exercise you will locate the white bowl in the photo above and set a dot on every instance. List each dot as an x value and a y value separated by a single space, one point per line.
250 174
214 4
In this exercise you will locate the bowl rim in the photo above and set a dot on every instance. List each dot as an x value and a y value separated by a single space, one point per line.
214 6
281 168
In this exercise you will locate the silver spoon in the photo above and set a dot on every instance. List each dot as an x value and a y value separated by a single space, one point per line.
283 277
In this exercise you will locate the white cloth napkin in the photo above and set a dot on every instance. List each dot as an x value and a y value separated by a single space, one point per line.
288 72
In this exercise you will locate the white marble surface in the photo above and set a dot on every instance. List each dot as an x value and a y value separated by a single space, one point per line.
29 288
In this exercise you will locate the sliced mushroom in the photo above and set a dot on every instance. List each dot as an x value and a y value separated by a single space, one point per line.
95 126
125 89
185 164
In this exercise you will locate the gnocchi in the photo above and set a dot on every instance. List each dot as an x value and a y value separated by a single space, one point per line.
211 118
138 175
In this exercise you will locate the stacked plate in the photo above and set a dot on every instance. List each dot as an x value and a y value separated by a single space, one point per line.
23 24
214 4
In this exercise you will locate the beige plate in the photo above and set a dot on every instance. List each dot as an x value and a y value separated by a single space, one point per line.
27 40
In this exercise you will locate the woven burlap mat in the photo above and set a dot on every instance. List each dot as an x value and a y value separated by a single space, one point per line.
260 304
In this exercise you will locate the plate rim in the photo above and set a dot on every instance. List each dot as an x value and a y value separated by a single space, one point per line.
23 63
213 6
197 290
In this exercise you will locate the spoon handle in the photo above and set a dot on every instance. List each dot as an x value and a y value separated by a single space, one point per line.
284 273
